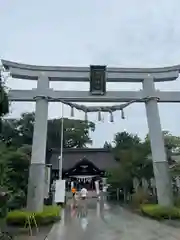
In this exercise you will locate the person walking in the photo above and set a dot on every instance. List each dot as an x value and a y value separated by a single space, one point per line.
73 190
83 193
76 199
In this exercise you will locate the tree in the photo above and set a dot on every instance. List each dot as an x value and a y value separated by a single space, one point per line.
9 132
4 103
175 170
18 162
120 178
107 145
133 162
125 141
76 133
171 142
14 166
26 149
25 127
4 170
20 132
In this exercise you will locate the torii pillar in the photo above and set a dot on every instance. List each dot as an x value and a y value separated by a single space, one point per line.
35 197
160 164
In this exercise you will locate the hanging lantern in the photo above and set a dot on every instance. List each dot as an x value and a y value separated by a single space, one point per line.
72 112
111 117
86 116
122 114
99 116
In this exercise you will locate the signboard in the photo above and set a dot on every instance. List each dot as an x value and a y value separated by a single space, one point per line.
98 80
60 191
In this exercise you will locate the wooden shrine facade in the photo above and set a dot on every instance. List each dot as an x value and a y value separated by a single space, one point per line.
82 164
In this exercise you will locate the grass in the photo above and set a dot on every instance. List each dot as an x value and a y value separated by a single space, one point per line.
159 212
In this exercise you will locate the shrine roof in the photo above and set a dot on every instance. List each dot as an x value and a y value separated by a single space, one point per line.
100 157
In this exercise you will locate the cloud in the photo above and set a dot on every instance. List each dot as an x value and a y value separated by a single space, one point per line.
131 33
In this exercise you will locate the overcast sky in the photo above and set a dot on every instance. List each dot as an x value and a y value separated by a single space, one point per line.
131 33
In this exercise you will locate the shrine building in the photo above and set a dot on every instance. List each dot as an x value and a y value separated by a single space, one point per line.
82 165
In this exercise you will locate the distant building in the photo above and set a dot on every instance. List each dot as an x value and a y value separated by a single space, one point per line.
86 165
83 165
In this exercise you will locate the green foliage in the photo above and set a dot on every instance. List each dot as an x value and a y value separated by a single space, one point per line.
17 199
26 149
49 215
20 131
119 178
76 133
170 141
14 165
3 202
4 103
177 201
159 212
175 170
131 154
16 145
25 127
124 140
10 132
107 145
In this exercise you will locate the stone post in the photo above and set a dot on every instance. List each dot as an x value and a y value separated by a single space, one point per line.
35 197
135 184
160 164
144 184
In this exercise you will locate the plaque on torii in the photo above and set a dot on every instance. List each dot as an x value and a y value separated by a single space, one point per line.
97 80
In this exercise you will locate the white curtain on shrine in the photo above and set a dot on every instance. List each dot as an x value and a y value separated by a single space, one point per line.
84 178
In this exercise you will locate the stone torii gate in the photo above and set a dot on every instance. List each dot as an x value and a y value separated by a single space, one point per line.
43 94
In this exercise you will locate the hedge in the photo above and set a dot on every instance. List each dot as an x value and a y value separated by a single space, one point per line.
49 215
159 212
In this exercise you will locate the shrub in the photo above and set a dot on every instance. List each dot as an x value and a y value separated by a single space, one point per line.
177 201
139 197
159 212
49 215
17 200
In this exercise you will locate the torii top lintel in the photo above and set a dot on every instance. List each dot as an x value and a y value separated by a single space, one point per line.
81 74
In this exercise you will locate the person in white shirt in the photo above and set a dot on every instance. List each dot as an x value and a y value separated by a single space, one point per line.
84 193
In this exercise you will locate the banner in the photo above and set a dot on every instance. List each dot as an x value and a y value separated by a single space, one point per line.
47 181
97 187
60 191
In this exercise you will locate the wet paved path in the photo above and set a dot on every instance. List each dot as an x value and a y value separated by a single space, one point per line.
94 222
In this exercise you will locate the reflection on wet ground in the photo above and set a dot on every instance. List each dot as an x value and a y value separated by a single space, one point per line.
97 220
